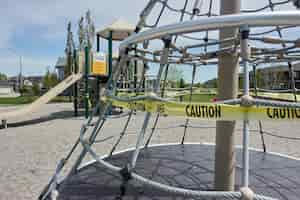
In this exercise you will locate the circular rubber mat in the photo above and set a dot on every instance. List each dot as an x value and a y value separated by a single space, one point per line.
188 166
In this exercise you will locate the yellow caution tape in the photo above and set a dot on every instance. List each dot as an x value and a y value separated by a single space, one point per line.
209 111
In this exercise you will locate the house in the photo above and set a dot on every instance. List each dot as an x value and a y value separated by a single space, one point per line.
8 88
60 67
32 80
276 77
17 81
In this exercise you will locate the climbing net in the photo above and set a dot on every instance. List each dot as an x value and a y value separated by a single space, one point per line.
257 39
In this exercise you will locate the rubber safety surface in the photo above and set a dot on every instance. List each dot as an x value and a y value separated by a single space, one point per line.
188 166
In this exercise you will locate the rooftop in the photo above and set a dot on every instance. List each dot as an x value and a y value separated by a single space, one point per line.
280 68
61 62
120 30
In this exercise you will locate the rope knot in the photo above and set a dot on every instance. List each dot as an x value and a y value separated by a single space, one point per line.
126 174
246 100
247 193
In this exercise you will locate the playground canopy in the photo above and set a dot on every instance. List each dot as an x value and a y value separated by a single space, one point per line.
120 30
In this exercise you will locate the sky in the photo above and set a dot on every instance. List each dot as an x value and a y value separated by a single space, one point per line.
35 30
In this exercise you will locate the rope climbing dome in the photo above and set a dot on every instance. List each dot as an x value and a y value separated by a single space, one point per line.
132 179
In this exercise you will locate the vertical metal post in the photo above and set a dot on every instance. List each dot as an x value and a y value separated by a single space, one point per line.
98 78
86 79
254 79
97 96
21 72
68 72
245 58
98 42
75 84
292 80
227 89
135 71
110 52
110 56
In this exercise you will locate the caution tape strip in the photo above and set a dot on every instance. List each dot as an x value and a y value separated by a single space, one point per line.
208 111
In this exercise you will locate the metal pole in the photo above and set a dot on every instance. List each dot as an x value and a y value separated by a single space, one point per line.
135 75
67 71
20 78
98 43
86 79
292 81
98 81
245 57
227 89
75 84
110 52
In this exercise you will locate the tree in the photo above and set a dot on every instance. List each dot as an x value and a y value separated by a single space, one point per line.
50 80
36 89
181 83
3 77
53 79
174 75
24 90
212 83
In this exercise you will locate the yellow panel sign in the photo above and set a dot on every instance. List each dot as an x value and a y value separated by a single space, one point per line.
210 111
99 66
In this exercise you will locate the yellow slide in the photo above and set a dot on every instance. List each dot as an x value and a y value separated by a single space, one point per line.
59 88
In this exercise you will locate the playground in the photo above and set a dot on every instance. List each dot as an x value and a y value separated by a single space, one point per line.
132 132
31 151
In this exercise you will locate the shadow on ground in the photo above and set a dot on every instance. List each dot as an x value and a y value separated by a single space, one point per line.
47 118
53 116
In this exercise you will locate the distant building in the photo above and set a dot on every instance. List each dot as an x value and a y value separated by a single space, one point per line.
276 77
32 80
60 67
8 88
28 81
17 81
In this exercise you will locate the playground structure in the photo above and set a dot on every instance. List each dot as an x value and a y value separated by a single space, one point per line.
73 74
86 72
129 168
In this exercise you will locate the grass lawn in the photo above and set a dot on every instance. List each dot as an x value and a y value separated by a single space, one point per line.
199 97
28 99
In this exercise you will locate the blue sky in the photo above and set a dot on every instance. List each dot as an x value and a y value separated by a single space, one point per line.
36 29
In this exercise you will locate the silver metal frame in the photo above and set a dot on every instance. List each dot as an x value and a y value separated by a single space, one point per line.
281 18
